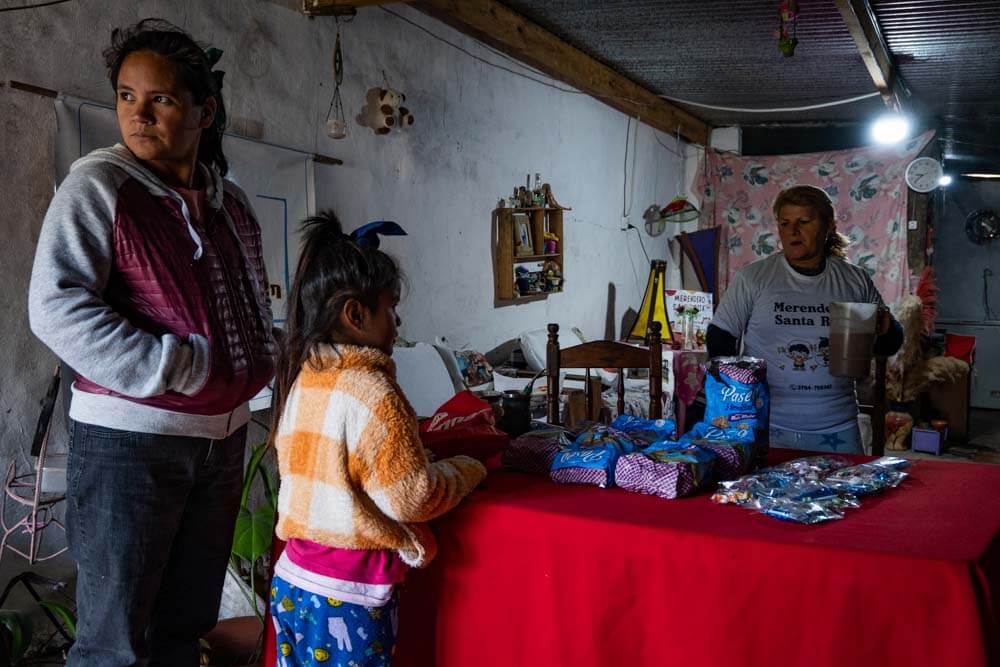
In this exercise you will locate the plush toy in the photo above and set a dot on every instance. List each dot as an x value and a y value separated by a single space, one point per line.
392 113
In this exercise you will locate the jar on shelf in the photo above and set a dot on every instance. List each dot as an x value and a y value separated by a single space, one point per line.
898 427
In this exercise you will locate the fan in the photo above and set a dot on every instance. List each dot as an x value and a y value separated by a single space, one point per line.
983 225
655 225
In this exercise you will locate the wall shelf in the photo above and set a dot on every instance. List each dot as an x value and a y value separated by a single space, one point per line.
507 240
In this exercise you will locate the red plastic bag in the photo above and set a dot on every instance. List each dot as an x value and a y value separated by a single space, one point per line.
466 425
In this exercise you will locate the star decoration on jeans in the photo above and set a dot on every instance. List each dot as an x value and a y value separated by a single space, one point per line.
832 441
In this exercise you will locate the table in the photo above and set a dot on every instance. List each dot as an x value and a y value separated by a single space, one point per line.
531 573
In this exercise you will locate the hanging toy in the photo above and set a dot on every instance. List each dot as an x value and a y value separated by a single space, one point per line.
392 112
336 127
788 12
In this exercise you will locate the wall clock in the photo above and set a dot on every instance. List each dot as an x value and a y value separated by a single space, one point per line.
923 174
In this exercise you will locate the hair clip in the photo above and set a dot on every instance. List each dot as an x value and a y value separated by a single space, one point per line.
367 236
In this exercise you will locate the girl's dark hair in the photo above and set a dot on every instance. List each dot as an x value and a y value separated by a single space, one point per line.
192 67
819 201
332 269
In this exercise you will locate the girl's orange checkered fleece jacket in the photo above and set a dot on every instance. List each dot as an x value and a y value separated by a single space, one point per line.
354 473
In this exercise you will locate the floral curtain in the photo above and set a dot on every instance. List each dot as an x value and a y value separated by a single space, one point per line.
868 189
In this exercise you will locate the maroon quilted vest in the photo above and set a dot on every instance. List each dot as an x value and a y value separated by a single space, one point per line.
157 286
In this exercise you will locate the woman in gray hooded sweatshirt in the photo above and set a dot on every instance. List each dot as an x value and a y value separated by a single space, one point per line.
149 282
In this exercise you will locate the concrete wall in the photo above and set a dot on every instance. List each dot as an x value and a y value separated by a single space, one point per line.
958 262
478 131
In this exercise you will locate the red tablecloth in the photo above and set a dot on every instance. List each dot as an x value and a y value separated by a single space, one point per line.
534 573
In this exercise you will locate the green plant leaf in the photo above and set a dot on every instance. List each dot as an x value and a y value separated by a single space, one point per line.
270 487
252 538
21 631
252 466
64 614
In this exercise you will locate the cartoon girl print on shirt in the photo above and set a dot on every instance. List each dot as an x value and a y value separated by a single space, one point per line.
823 356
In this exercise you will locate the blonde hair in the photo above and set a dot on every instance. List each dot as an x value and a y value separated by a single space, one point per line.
816 199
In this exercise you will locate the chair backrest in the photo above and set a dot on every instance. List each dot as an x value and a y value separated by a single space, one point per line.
605 354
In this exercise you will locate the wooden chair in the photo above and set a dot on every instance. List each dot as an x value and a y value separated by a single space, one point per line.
605 354
875 407
27 490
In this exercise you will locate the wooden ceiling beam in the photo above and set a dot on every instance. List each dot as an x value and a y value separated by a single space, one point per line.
863 26
494 24
337 7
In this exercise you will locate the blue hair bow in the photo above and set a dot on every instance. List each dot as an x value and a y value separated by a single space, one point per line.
367 236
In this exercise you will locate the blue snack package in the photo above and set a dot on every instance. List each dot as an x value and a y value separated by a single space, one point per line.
736 393
645 431
737 396
735 448
592 457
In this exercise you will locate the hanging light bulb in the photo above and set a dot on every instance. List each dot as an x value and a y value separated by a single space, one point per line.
890 129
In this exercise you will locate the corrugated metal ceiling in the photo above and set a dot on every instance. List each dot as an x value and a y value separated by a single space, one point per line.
947 54
724 52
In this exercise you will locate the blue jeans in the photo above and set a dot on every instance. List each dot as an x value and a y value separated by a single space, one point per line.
313 629
150 522
847 441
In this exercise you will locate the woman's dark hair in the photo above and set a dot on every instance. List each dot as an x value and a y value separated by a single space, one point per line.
192 66
819 201
332 269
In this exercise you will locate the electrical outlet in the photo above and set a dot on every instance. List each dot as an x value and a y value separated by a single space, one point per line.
911 225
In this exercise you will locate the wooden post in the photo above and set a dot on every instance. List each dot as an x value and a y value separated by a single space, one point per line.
552 368
655 371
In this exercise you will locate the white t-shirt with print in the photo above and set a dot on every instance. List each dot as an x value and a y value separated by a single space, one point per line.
783 318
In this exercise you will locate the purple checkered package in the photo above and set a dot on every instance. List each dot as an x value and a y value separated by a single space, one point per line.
670 472
734 449
591 476
531 454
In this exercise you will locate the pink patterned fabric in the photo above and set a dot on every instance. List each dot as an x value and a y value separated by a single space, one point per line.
867 187
689 374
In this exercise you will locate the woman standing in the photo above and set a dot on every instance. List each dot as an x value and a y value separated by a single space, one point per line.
779 307
149 281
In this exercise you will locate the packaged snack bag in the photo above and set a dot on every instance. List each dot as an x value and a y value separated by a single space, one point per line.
645 431
737 397
465 424
592 457
533 453
735 449
667 470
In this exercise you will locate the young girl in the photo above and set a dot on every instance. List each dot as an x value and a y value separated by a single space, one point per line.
356 485
149 282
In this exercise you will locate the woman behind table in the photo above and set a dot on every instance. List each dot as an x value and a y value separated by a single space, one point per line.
356 484
149 282
778 306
